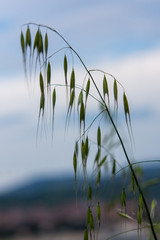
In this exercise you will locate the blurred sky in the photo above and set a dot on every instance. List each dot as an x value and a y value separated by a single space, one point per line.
121 37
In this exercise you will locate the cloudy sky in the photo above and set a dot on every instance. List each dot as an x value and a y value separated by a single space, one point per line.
120 37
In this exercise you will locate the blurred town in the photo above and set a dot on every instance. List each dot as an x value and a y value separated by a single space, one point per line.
49 208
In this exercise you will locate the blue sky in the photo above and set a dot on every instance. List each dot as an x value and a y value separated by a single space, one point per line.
121 37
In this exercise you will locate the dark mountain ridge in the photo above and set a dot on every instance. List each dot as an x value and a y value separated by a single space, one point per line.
52 191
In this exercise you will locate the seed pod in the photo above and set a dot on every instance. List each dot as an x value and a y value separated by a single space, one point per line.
48 73
98 212
115 91
125 103
40 43
76 148
65 68
46 44
36 40
71 99
82 113
75 163
105 87
139 216
123 198
141 202
80 99
89 193
88 216
86 147
83 151
91 221
54 98
85 235
126 108
99 137
41 83
22 43
72 80
98 178
28 37
42 102
114 167
87 88
153 206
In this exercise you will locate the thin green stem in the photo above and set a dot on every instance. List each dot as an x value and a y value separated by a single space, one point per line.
90 125
136 163
112 121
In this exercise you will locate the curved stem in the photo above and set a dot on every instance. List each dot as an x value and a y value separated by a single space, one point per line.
112 121
136 163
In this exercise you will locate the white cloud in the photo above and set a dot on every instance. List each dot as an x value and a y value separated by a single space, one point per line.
139 74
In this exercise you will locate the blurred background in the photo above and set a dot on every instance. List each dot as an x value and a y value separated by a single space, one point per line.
36 175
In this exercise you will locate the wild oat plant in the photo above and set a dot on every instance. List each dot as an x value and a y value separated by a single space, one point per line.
36 56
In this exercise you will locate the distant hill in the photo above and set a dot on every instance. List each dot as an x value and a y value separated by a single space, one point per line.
48 204
55 191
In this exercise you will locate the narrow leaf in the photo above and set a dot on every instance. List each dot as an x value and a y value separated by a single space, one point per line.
125 215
